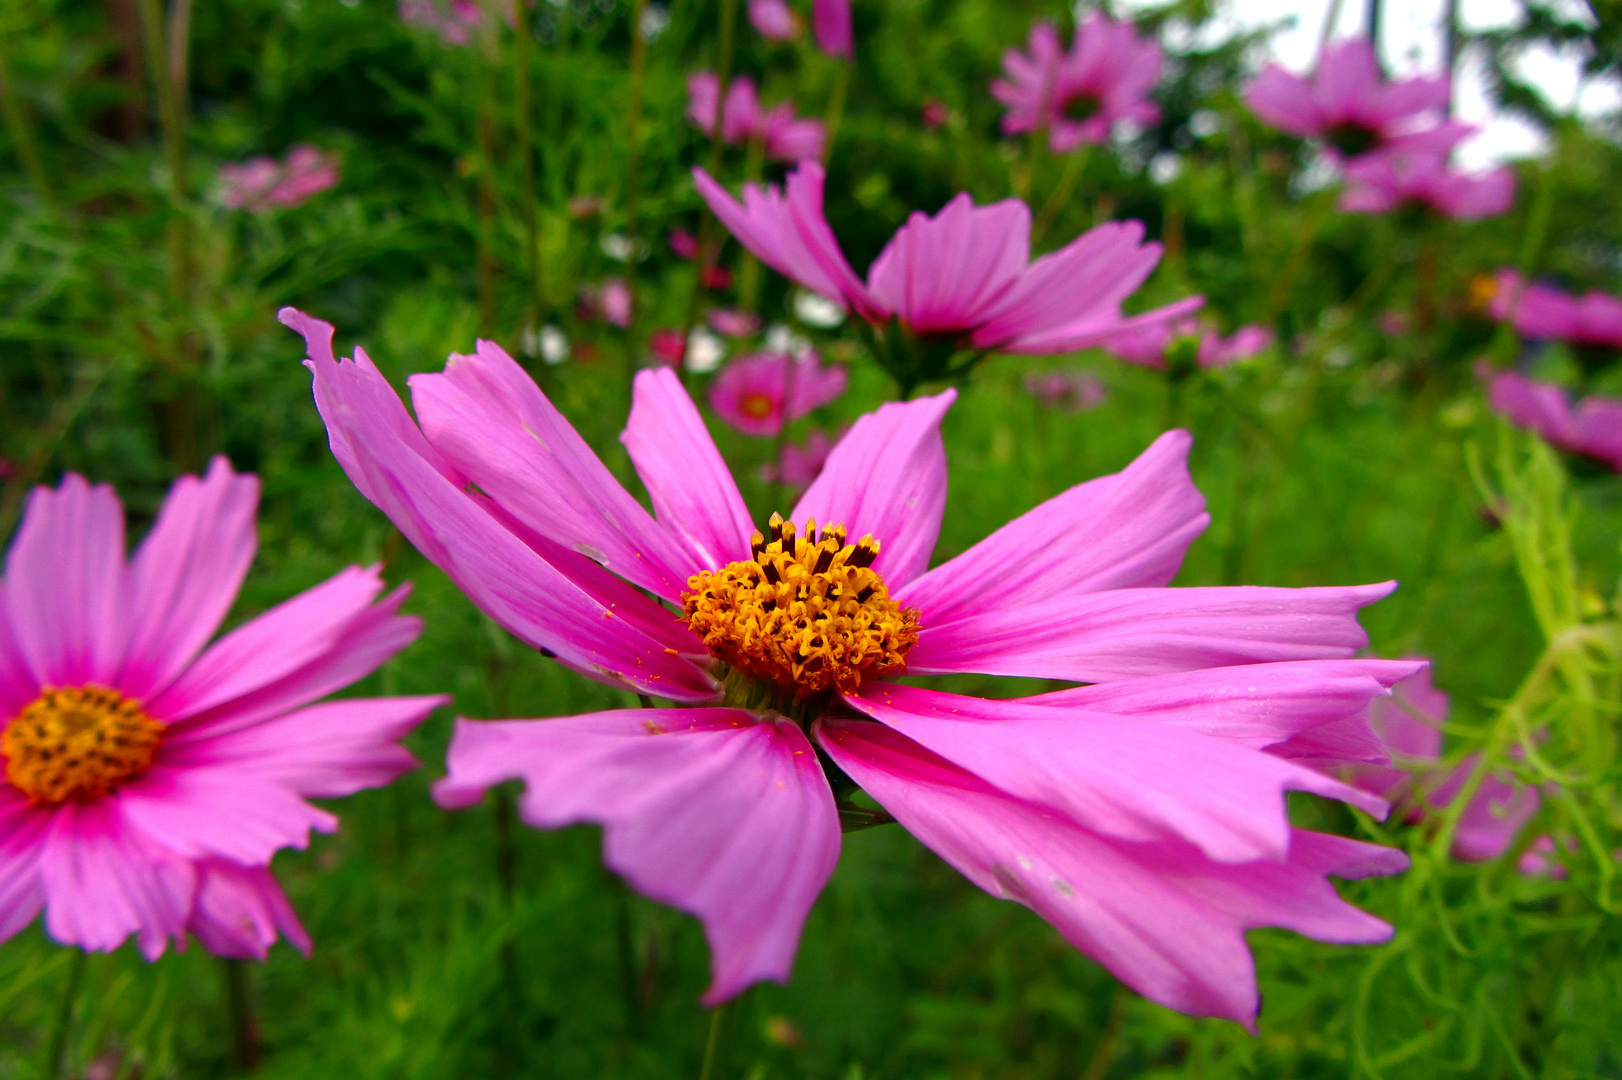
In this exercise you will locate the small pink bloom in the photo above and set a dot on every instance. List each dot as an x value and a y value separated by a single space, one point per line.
784 136
758 394
773 20
1217 351
830 20
668 346
1541 312
684 244
964 275
1392 323
1538 860
1346 102
263 183
935 115
454 21
1069 391
1142 815
1079 96
216 749
798 466
734 324
1593 428
614 301
1391 179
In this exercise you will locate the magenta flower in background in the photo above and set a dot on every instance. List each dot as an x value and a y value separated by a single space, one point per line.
1143 816
798 466
1419 176
261 184
831 23
187 767
934 115
784 136
684 244
1409 723
667 346
1079 96
454 21
1346 102
1217 351
773 20
1149 346
964 275
1593 428
1544 313
1067 391
614 301
758 394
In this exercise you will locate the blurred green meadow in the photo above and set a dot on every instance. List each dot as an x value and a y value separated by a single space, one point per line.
138 337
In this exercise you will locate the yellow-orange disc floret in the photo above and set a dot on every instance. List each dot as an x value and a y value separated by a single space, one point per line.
76 744
806 614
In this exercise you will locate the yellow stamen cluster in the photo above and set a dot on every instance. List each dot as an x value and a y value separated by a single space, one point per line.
806 614
78 743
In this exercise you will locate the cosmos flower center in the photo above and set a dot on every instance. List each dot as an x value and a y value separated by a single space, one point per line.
805 615
1351 138
76 744
1079 108
758 406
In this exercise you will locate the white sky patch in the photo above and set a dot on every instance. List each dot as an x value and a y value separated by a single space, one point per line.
1411 43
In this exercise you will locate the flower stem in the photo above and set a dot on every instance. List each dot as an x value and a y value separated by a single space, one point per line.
523 134
836 108
708 244
1060 195
22 137
718 1045
239 1016
633 160
57 1048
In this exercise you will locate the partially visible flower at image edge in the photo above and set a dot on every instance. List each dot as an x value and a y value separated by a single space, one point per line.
148 781
1080 97
1142 815
1593 428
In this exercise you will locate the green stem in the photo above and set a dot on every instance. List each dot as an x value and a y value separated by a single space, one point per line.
56 1050
239 1015
717 1045
1312 221
523 125
708 246
172 121
836 109
1060 194
484 257
22 137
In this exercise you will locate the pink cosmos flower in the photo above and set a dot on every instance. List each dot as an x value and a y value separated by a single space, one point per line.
1142 815
758 394
1409 723
145 781
830 21
1419 175
934 115
454 21
773 20
1149 346
1593 428
614 301
1545 313
784 136
1249 340
261 184
798 466
668 346
1069 391
1346 102
964 275
733 323
1079 96
684 244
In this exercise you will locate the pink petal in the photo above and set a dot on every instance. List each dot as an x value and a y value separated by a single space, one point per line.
713 811
1255 705
323 752
832 25
231 813
1118 777
1127 530
1163 920
18 686
394 466
186 573
937 273
1127 633
105 881
493 424
887 477
693 493
285 639
1284 100
65 584
22 834
240 909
